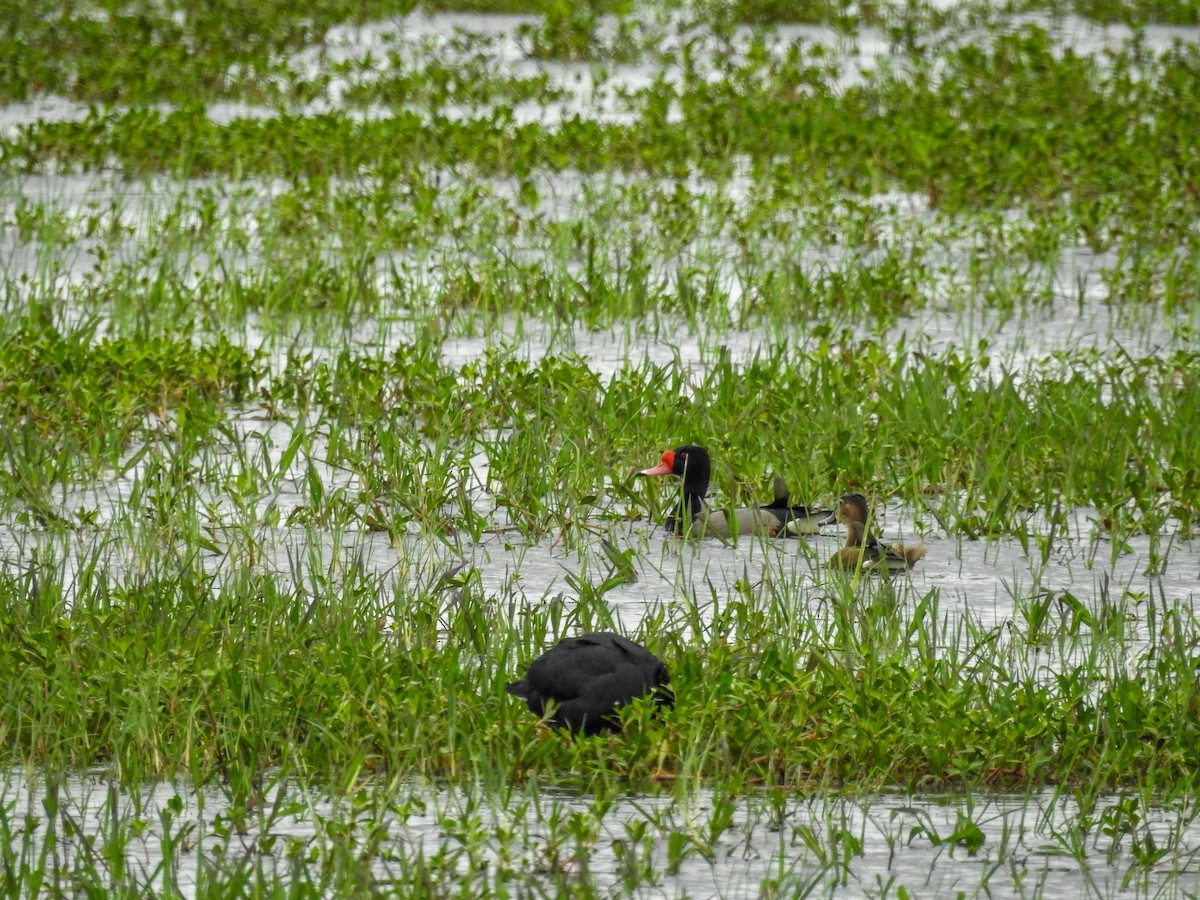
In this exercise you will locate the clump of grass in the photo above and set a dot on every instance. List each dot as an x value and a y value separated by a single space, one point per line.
867 685
77 401
469 82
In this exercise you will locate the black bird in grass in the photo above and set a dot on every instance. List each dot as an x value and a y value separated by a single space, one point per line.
583 681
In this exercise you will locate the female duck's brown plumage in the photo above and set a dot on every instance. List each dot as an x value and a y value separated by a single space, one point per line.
693 516
862 549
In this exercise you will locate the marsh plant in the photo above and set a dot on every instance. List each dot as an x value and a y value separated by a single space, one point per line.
333 334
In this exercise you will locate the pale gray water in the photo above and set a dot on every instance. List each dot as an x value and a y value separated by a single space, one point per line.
985 582
845 847
932 845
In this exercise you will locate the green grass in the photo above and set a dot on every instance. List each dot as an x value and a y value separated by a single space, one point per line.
143 52
270 698
227 389
983 454
970 128
231 678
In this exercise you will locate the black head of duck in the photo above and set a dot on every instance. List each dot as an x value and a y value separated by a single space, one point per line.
694 466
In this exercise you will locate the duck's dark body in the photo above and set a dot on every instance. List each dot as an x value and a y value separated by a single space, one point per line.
794 520
583 681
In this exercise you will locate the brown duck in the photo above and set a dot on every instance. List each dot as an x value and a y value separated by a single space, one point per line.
862 548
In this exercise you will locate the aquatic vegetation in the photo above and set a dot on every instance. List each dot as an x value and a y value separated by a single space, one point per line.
970 128
242 674
333 335
556 434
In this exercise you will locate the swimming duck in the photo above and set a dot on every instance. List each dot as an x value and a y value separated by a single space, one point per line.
777 517
861 547
583 681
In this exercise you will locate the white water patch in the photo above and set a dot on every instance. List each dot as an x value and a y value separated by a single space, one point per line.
47 108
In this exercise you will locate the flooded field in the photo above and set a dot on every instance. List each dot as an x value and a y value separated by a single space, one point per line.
331 345
173 840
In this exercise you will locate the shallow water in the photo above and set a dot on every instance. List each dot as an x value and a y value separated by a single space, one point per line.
1074 311
986 583
776 844
662 845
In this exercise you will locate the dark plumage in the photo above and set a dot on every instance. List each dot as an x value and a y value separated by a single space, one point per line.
583 681
794 520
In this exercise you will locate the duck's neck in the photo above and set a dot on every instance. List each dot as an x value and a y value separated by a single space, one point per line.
695 487
689 507
856 534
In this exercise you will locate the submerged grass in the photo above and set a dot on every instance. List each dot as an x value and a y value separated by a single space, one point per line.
982 452
390 838
970 127
264 352
231 679
144 52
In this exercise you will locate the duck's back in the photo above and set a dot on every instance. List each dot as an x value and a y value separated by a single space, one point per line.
742 521
588 677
